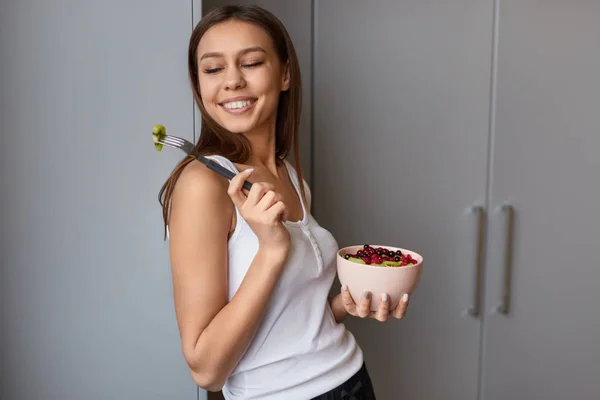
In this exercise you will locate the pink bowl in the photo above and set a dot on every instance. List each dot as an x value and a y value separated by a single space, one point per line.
395 281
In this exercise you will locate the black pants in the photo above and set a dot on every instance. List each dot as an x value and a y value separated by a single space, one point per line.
358 387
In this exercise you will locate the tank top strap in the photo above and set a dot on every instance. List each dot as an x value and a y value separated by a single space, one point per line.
296 181
225 162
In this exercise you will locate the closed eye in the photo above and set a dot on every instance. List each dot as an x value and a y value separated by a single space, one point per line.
255 64
212 70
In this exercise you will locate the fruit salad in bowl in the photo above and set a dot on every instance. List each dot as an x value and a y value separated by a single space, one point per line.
379 269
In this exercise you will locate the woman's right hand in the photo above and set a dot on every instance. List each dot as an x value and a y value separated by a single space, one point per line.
264 211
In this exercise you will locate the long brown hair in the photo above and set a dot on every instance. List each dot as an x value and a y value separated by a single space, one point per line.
214 139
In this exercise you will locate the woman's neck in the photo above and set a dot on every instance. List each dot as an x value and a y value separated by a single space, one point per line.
262 141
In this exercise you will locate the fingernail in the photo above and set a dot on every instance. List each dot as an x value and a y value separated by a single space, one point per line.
367 295
384 297
344 288
405 297
249 170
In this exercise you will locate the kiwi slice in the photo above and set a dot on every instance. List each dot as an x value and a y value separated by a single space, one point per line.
391 263
356 260
158 133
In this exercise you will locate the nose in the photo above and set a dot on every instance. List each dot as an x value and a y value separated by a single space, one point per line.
234 79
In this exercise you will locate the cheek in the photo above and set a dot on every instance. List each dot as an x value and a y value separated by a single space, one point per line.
208 92
268 84
270 88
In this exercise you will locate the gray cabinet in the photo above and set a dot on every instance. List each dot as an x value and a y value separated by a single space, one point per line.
85 285
426 109
400 157
545 165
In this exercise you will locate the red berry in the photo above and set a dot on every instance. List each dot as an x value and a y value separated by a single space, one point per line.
366 260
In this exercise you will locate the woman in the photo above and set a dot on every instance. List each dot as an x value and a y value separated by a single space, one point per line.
252 270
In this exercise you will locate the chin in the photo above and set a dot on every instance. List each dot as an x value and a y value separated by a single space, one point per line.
238 126
241 123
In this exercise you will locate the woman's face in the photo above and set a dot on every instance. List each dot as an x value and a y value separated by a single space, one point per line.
240 76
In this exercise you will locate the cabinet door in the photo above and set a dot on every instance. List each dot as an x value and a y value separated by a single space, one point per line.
86 295
401 100
546 166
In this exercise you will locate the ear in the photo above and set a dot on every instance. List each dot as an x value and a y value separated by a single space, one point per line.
285 79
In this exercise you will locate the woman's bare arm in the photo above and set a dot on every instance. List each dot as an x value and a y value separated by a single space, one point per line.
215 333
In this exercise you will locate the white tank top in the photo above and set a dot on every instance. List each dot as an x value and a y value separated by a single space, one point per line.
299 351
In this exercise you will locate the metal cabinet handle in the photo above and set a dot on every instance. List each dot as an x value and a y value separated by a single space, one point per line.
474 309
508 214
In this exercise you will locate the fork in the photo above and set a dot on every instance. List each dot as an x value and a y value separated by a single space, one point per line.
187 147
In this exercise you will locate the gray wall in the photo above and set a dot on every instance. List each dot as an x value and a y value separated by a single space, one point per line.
86 302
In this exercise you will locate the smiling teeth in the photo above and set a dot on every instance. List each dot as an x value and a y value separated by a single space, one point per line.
237 104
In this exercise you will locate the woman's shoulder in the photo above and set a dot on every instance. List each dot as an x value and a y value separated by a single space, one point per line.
196 174
200 195
201 186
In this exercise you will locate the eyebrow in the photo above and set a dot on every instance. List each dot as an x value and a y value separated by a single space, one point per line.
241 52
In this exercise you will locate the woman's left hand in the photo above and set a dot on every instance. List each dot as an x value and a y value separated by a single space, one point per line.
363 309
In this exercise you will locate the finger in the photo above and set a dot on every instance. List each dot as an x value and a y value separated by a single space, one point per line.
235 187
400 311
258 190
268 200
277 212
384 308
364 308
349 304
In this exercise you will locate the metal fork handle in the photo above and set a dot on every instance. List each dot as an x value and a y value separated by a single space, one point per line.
210 164
187 147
